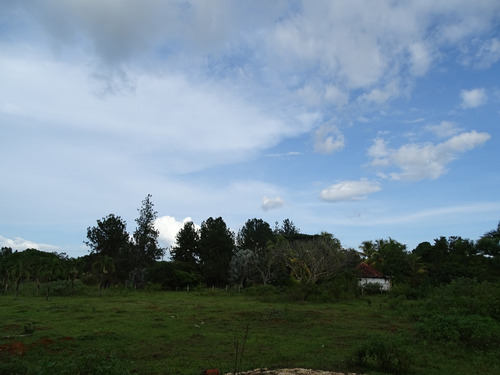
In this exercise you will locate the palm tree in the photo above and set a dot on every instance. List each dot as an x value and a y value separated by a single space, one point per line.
370 251
50 271
73 269
17 273
102 267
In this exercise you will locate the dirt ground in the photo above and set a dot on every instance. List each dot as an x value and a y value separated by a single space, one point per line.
292 371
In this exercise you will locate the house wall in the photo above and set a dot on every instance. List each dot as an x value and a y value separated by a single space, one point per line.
385 283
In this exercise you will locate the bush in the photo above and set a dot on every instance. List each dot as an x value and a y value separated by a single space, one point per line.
65 287
383 353
410 292
473 331
466 297
153 287
371 288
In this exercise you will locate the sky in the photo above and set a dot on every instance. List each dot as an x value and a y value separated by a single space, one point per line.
366 119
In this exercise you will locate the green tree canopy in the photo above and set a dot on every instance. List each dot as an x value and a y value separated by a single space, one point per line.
146 247
109 237
216 251
187 245
389 257
287 229
255 235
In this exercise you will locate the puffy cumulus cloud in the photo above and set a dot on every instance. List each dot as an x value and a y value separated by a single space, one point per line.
363 48
473 98
328 139
424 161
272 203
21 244
350 190
168 227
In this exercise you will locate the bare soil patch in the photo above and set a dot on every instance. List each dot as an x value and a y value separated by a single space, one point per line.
292 371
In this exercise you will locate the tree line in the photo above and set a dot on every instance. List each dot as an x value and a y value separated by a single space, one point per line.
258 254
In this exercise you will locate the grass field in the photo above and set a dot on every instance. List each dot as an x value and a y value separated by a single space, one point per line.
124 331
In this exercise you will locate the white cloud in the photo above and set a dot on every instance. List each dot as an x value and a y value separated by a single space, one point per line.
350 190
473 98
420 59
168 227
335 95
482 54
21 244
487 54
379 153
113 99
328 139
444 129
192 125
272 203
380 95
424 161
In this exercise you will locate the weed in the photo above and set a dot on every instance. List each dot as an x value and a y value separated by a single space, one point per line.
28 329
239 343
383 353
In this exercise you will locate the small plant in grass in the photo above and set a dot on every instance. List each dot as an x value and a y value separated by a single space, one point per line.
383 353
239 343
28 329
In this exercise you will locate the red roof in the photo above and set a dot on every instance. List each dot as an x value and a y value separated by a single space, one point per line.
368 271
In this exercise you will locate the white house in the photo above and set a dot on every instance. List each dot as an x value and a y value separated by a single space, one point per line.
369 275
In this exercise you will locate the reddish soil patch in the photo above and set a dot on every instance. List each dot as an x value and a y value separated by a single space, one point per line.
14 348
292 371
19 348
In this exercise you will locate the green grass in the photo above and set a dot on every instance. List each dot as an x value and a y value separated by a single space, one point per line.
119 331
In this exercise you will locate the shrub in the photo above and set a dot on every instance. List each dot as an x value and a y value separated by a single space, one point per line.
372 288
473 331
383 353
153 287
466 297
409 291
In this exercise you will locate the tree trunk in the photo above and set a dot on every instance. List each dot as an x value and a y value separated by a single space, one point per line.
18 282
5 284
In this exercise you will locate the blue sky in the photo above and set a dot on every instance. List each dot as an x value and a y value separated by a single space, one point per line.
365 119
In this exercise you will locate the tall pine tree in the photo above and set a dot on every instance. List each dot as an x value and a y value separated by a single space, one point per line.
146 248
